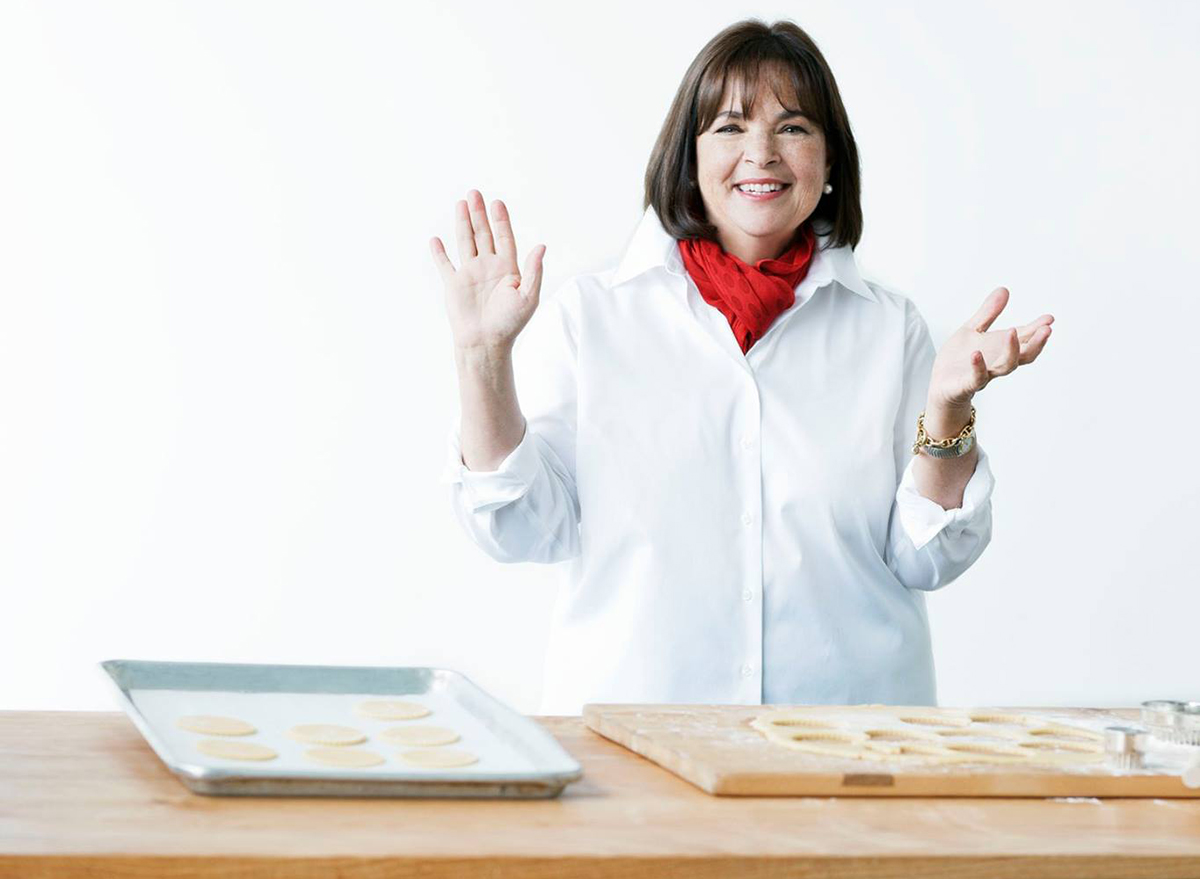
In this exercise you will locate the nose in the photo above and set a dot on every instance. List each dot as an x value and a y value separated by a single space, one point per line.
760 149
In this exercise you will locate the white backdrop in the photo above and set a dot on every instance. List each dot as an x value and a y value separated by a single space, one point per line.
226 372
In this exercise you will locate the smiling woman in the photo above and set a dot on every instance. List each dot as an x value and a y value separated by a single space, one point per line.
752 109
757 213
717 431
742 168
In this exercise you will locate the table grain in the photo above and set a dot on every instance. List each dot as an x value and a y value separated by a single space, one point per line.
82 794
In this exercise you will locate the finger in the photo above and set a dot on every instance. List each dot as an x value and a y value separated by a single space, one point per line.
1026 332
464 233
979 370
506 243
1030 352
483 232
991 308
1012 353
444 266
531 280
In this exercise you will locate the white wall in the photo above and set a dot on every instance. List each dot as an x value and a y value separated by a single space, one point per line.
225 367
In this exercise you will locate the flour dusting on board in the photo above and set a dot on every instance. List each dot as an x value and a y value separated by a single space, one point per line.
721 750
934 739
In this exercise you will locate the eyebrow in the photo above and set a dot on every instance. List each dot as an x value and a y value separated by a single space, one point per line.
786 114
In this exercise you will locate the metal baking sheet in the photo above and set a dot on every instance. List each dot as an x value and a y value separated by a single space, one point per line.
517 756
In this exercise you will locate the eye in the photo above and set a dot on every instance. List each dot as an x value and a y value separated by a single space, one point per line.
728 127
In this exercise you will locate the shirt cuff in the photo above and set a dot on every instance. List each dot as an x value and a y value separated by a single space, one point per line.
486 490
923 519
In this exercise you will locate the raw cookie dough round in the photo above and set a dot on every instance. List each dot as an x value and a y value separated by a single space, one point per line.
214 725
923 734
420 735
782 723
922 752
391 709
831 748
988 752
235 750
821 735
782 719
983 715
929 718
1066 731
438 757
902 734
326 734
348 757
1068 743
984 733
1064 752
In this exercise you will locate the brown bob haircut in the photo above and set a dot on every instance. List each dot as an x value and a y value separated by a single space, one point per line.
737 56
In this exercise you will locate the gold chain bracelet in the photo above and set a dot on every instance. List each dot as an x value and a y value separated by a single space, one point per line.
924 439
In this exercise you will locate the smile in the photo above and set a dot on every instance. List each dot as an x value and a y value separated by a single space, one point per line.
761 196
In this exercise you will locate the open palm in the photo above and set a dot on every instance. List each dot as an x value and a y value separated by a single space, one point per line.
488 300
973 355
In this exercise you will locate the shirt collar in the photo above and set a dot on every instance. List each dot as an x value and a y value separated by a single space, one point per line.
652 246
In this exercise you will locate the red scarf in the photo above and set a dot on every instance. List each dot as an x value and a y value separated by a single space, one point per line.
750 296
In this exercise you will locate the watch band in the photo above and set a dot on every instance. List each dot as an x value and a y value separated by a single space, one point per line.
954 447
956 451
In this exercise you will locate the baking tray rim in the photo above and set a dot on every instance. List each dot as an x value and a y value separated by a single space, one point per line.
571 769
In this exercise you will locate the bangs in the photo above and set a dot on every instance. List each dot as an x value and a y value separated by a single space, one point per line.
741 62
795 87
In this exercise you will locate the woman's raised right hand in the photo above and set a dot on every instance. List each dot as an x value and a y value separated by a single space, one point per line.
488 299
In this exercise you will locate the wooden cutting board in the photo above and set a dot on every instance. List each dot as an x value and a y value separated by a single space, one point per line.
715 748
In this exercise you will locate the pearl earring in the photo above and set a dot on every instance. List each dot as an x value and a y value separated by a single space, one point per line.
828 188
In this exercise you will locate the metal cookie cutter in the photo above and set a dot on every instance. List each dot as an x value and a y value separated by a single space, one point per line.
1124 746
1191 775
1171 721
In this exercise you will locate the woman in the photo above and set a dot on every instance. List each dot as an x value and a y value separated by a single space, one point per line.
750 456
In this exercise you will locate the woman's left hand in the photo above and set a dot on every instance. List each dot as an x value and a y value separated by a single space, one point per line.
973 356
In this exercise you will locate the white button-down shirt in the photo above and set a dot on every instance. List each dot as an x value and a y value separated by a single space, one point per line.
738 528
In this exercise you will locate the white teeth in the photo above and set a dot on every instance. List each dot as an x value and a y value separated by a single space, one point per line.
760 187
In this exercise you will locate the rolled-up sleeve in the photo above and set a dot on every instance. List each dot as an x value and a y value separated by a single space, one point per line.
527 509
928 546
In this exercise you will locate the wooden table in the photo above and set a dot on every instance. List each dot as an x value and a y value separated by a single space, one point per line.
81 794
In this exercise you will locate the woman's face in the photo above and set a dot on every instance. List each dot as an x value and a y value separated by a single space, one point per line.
770 144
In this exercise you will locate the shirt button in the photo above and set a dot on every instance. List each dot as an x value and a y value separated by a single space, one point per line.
747 595
747 441
747 670
747 518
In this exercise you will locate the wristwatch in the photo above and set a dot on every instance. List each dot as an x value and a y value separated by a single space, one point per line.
955 447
